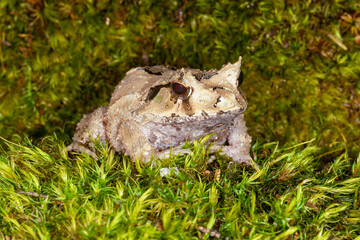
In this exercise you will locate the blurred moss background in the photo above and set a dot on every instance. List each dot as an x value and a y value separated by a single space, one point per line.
301 60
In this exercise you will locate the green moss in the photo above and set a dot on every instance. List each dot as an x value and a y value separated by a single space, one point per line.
301 61
290 195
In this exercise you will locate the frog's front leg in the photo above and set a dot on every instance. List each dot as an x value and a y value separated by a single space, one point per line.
239 142
91 127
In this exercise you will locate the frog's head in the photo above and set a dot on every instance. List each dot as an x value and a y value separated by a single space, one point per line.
191 92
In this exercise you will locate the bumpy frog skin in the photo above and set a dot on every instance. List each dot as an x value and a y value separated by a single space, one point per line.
155 109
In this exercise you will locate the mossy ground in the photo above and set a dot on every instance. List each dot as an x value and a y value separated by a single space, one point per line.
290 195
301 61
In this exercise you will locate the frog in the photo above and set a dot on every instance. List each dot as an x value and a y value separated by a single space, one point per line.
155 110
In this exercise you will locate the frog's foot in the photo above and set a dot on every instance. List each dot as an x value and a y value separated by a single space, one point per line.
75 147
235 152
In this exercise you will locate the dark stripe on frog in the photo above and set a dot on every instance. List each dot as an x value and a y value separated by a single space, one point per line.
217 101
187 107
209 76
153 91
150 70
200 75
204 114
214 88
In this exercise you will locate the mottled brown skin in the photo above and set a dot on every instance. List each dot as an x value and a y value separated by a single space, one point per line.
147 115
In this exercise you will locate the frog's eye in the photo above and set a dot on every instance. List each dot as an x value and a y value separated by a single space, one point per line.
240 79
181 90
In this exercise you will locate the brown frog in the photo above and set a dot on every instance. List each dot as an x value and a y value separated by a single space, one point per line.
155 109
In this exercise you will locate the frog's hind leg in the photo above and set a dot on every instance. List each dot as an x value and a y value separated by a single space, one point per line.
90 128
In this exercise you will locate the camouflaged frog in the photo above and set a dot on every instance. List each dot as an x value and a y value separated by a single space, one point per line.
157 108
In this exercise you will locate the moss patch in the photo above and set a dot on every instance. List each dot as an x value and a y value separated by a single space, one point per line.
301 62
290 195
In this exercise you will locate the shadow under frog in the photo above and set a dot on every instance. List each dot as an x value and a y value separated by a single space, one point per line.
157 108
